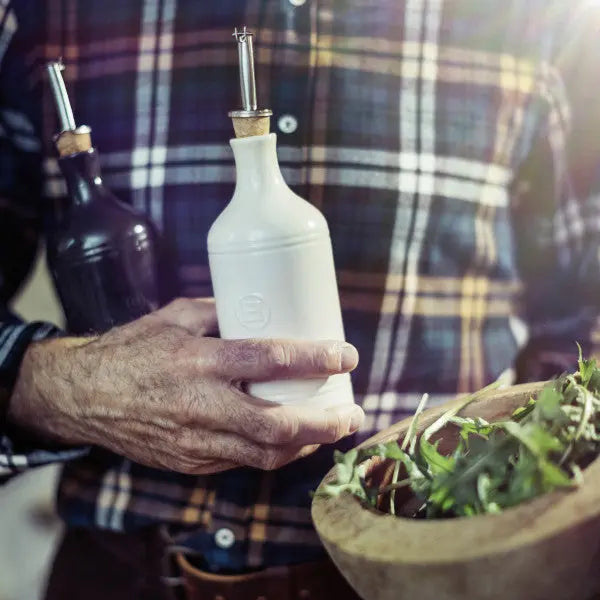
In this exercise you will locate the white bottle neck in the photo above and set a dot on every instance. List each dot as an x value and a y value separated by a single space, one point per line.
257 167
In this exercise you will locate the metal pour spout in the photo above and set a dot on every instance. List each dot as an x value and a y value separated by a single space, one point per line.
71 139
247 79
61 98
250 120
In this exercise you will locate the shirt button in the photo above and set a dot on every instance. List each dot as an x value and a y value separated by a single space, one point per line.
297 2
224 538
287 123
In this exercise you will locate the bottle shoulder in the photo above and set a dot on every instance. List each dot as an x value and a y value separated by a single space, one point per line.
259 222
99 227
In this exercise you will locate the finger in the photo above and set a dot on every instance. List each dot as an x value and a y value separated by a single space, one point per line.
168 454
211 466
288 424
264 360
196 315
233 448
204 467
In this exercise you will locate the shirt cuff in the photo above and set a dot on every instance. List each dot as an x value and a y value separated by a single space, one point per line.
18 451
17 456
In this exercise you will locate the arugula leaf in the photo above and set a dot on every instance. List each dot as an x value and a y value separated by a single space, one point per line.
521 412
533 436
348 476
392 450
409 438
586 368
549 402
447 416
438 463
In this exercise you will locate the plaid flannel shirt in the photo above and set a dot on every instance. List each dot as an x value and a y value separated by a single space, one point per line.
453 146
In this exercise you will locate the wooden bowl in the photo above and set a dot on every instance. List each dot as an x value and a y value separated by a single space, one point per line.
544 549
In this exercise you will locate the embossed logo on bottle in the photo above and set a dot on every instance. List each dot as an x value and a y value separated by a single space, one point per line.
253 312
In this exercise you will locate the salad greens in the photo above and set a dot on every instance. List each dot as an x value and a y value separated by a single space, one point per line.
542 447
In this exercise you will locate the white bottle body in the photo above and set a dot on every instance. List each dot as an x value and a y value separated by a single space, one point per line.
272 271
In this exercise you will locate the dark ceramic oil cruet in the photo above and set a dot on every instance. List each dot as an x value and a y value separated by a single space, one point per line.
102 254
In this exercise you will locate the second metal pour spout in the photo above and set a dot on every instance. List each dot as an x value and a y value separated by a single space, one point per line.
71 139
61 98
247 79
250 120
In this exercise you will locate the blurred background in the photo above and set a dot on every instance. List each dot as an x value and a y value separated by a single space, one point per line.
28 528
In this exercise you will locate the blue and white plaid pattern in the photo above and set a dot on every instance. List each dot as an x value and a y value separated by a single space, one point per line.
453 146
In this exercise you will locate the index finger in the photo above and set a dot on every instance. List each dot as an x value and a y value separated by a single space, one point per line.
269 359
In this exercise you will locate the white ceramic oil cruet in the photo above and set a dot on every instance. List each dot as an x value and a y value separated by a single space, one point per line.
270 254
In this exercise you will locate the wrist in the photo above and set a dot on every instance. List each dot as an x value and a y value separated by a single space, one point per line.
44 398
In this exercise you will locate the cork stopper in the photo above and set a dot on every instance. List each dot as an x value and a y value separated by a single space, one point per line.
249 121
73 141
249 126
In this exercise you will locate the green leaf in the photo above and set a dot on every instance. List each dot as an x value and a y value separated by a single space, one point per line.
410 437
483 488
525 481
587 368
549 402
334 490
346 465
436 462
586 413
594 382
348 477
392 450
485 456
520 413
448 415
554 476
534 437
541 443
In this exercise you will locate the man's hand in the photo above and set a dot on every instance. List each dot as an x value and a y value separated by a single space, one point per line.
160 393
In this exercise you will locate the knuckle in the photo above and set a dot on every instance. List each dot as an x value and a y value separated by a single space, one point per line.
270 459
145 321
179 304
183 465
280 429
338 427
230 352
279 356
187 440
191 469
334 429
187 468
328 359
190 352
164 347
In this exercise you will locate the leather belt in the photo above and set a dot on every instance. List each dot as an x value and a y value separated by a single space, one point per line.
307 581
